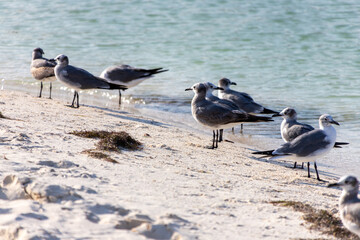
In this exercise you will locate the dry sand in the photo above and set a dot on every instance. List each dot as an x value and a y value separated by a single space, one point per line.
173 188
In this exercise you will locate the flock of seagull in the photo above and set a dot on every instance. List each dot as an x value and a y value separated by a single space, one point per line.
119 77
303 143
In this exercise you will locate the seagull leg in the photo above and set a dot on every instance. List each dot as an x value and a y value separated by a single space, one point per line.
119 96
221 135
308 165
294 164
233 130
77 100
317 174
217 138
73 101
213 146
241 128
302 165
41 87
50 89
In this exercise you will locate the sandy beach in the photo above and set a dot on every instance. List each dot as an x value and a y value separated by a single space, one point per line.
173 188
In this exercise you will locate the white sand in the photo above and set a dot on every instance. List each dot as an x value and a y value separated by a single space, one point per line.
172 189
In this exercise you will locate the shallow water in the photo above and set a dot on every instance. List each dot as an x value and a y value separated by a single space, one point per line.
303 54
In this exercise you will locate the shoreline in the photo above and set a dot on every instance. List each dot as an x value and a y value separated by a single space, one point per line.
173 188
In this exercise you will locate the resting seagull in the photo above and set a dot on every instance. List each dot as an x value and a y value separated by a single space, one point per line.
79 79
241 99
216 116
349 203
308 146
42 69
290 128
128 76
225 103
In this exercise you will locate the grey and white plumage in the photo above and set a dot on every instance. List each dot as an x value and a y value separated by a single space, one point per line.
216 116
128 76
225 103
308 146
42 69
290 128
211 97
79 79
243 100
349 203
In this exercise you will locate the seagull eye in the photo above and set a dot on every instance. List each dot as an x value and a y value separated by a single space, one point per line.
346 182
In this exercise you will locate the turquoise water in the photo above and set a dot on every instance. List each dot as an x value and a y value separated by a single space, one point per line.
304 54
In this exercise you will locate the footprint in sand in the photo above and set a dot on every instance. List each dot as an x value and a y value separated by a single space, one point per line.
12 188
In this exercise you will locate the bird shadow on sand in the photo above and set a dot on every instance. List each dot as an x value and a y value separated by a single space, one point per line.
122 115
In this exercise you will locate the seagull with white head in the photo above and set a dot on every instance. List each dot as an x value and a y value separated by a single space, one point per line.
349 203
308 146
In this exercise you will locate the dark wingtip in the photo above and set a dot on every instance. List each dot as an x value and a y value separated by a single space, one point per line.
269 111
276 115
268 152
157 70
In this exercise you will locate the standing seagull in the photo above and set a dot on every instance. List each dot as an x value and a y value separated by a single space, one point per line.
78 79
308 146
225 103
241 99
290 128
42 69
349 203
128 76
216 116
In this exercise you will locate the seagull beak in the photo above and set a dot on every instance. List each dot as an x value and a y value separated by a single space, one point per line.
233 83
218 88
188 89
277 115
335 122
333 185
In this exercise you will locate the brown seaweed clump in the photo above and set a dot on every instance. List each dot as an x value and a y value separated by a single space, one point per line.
99 155
111 141
320 220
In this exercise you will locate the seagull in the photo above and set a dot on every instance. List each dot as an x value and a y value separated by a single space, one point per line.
308 146
241 99
349 204
78 79
42 69
290 128
216 116
128 76
225 103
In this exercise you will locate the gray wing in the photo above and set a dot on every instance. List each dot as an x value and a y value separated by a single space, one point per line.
214 114
42 68
227 104
352 213
305 144
126 73
244 102
297 130
81 78
37 63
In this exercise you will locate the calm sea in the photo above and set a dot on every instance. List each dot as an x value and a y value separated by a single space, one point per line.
304 54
